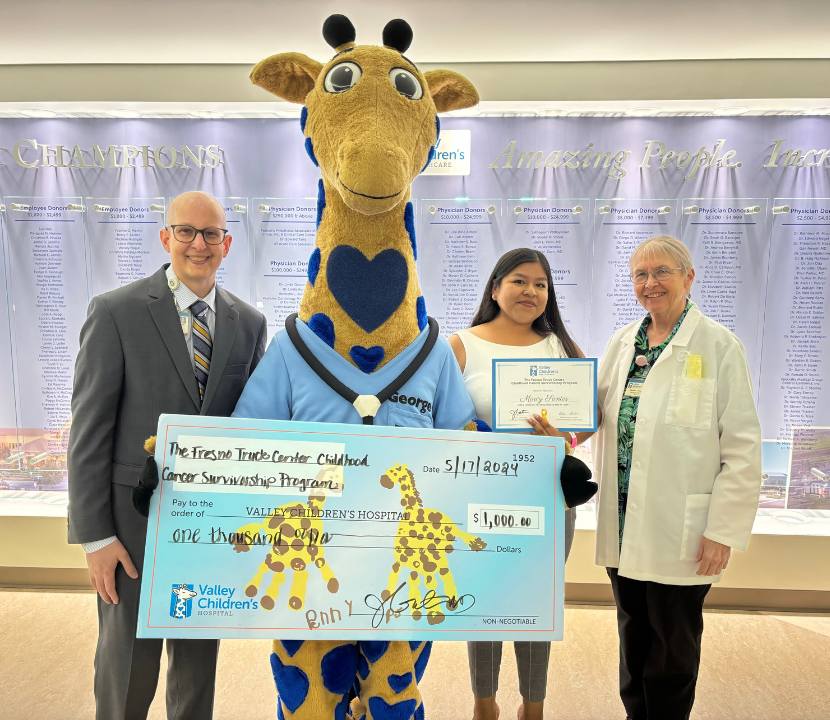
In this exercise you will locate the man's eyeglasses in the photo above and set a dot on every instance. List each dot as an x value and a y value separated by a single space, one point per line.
659 274
188 233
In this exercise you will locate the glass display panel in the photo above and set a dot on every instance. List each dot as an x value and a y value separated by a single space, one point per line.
729 243
123 237
48 297
284 231
458 245
620 225
561 229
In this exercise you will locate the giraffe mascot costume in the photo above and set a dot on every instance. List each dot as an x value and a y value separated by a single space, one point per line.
370 124
362 348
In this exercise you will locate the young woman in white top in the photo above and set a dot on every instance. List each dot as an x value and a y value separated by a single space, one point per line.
518 318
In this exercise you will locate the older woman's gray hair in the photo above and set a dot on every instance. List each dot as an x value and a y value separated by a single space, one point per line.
663 245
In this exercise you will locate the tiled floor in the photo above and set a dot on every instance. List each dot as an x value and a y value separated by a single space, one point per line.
755 666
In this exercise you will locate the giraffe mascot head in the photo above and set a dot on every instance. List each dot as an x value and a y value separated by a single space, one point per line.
371 125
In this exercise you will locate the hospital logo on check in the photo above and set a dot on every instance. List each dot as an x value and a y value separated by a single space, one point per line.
181 601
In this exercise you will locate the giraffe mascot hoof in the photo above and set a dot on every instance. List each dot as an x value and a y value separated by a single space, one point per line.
360 350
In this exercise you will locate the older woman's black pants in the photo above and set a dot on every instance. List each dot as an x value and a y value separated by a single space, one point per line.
660 629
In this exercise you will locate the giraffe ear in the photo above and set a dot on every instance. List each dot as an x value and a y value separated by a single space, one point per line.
450 90
290 76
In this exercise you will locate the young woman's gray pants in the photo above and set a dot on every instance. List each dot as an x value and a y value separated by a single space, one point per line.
531 657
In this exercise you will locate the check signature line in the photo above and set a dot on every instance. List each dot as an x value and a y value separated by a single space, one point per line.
469 615
431 601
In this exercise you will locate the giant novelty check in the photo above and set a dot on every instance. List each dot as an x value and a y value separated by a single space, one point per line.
294 530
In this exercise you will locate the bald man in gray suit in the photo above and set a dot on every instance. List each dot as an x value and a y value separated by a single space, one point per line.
173 342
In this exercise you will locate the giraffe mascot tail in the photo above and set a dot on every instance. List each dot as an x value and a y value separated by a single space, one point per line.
370 123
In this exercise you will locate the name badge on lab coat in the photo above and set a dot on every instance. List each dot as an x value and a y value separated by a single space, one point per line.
635 387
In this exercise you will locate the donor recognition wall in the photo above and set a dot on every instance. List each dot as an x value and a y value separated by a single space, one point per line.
82 202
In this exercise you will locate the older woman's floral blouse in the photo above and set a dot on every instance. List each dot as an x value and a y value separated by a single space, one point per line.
628 409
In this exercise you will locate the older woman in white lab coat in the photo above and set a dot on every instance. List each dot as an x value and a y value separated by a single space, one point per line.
678 459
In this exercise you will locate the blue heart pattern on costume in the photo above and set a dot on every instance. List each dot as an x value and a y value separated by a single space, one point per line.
367 359
399 683
338 668
292 683
399 711
369 291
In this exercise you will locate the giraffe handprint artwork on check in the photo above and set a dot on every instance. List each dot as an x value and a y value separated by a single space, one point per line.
296 544
423 546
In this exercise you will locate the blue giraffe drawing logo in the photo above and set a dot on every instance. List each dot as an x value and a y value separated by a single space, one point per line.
534 371
181 601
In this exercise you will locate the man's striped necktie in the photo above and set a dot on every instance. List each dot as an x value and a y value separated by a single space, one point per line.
202 344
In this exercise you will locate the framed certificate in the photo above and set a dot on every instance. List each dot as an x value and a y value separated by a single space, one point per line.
562 390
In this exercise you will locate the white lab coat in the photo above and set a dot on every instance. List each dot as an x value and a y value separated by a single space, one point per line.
696 463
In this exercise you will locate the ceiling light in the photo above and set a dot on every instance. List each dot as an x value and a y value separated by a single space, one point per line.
208 114
642 111
818 111
126 114
732 110
551 112
466 112
38 113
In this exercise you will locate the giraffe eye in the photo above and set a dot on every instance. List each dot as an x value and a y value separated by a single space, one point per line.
342 77
406 83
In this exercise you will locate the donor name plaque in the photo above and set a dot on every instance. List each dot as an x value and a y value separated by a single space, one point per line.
293 530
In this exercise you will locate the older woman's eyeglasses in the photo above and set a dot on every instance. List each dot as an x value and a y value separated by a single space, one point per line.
659 274
188 233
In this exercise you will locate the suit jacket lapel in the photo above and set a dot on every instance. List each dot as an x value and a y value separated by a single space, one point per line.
162 307
227 320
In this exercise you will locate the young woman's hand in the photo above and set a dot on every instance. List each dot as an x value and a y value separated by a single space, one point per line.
542 427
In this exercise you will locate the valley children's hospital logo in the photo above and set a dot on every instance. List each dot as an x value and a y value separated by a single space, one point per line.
181 601
534 371
214 600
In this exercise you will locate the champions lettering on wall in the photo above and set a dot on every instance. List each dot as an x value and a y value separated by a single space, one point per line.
32 154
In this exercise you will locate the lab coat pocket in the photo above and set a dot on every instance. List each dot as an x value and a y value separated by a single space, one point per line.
690 402
694 524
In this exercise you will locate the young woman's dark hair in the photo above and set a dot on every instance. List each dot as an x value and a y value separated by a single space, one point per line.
549 321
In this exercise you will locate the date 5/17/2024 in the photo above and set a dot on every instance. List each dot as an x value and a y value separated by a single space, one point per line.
478 466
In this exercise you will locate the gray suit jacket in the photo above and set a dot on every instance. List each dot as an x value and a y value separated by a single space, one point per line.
132 366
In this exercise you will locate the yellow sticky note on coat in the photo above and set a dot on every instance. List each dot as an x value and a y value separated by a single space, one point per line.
693 367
